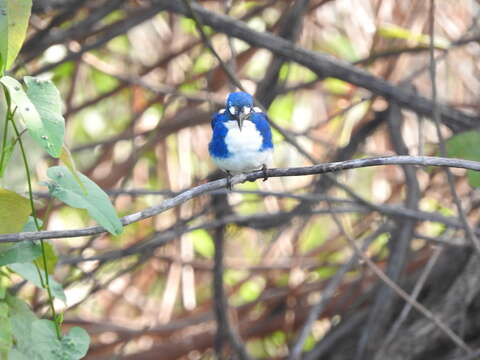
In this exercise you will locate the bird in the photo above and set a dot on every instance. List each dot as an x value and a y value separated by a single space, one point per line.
241 137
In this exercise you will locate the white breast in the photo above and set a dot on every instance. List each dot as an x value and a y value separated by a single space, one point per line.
245 148
249 139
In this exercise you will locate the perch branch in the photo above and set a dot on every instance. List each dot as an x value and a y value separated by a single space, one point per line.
252 176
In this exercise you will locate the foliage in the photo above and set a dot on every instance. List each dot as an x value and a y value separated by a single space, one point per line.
13 27
16 210
27 330
39 105
80 192
465 146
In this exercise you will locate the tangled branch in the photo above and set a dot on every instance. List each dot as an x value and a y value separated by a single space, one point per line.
324 65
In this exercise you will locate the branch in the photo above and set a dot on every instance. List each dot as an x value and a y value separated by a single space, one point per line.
324 65
111 31
327 294
273 220
435 319
382 309
441 141
252 176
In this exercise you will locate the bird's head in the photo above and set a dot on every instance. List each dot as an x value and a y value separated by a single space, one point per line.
239 105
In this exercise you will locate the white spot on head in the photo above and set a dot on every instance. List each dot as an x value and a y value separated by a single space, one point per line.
247 109
257 109
232 110
221 111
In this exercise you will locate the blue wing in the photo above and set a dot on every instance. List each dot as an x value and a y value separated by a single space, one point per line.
261 122
218 117
217 146
214 120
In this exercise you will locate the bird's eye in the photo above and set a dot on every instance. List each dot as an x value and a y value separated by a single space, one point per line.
232 110
247 109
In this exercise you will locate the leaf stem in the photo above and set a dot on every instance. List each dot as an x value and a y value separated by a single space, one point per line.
37 225
5 131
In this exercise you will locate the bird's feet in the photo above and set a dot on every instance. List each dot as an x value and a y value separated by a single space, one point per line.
264 169
229 180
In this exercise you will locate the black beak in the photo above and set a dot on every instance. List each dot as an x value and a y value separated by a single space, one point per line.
239 119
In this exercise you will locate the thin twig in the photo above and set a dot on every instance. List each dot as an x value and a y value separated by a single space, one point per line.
224 328
326 295
198 24
400 292
416 291
399 244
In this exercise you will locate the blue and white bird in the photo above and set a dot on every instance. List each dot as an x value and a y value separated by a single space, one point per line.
242 139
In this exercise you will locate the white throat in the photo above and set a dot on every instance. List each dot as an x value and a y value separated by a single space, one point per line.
247 139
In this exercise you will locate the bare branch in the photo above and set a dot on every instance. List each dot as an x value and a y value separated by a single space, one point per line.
252 176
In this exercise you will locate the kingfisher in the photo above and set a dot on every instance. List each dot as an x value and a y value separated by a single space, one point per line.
241 139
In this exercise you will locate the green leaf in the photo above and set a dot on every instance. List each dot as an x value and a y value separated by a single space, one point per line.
6 335
45 338
17 355
36 339
466 146
103 82
282 109
15 210
337 86
14 17
29 272
21 252
7 155
314 235
46 98
22 319
76 343
203 243
51 256
24 107
473 178
339 45
251 290
65 188
72 346
309 343
390 31
30 225
67 158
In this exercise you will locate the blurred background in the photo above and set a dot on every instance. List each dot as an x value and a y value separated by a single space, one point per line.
139 86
